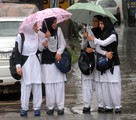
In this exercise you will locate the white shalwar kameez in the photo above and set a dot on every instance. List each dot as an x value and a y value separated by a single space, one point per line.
53 79
108 85
87 80
31 70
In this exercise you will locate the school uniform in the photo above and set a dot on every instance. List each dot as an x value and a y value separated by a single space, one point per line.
31 71
88 82
53 79
109 84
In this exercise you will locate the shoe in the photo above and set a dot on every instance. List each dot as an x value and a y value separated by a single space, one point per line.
118 110
108 110
61 112
86 110
23 113
50 112
101 109
37 113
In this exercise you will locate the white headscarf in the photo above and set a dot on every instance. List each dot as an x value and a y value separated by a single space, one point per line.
31 39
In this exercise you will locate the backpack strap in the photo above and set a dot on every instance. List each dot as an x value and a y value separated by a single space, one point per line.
22 44
22 41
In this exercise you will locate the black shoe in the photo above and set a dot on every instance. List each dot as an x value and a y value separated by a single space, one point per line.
23 113
108 110
37 113
118 110
86 110
101 109
50 112
61 112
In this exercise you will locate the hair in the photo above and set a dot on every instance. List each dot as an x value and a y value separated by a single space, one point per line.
97 31
99 17
47 25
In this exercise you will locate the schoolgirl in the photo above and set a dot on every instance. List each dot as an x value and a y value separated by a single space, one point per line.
52 46
88 80
30 70
110 80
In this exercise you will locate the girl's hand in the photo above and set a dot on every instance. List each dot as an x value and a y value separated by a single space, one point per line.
47 34
91 38
89 50
19 71
58 57
109 55
85 35
45 43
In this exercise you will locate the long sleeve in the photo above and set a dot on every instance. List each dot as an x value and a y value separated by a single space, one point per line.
99 50
83 43
41 37
41 47
107 41
61 42
89 30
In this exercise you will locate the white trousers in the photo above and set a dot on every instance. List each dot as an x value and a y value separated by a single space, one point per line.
87 90
26 90
99 94
55 95
109 94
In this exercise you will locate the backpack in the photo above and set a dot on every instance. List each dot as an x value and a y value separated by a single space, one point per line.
103 63
12 61
86 62
64 65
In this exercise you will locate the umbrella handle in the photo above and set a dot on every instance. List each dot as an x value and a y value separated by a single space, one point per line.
45 24
85 28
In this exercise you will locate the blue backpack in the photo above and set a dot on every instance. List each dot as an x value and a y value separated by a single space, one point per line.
64 65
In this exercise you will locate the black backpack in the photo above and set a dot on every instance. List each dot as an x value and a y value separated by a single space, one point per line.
12 61
86 62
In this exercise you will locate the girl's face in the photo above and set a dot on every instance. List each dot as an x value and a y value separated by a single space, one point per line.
101 25
54 24
95 22
35 27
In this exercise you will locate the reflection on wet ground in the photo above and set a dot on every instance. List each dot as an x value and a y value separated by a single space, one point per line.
128 69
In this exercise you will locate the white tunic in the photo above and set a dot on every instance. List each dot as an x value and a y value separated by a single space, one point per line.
107 76
32 68
50 73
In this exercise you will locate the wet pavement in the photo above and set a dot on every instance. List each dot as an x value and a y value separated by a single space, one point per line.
9 110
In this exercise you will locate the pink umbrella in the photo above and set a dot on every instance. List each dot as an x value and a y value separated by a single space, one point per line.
59 13
31 19
39 16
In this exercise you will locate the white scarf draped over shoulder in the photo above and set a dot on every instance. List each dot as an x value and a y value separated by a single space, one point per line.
31 40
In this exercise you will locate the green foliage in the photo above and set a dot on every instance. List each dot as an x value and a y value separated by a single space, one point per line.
74 56
75 53
77 29
74 43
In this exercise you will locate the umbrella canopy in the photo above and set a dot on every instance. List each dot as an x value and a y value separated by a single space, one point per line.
59 13
84 12
39 16
31 19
